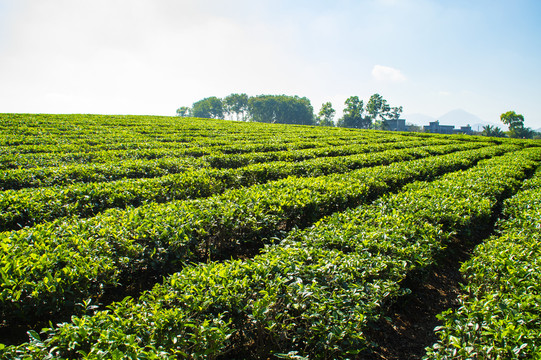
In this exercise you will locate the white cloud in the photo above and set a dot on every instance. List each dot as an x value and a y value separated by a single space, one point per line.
387 74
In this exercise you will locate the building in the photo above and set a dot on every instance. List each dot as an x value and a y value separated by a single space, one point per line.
467 130
436 128
396 125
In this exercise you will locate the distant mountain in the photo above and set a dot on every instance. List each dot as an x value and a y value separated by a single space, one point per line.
459 117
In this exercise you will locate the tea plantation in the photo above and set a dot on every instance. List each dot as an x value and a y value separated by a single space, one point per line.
140 237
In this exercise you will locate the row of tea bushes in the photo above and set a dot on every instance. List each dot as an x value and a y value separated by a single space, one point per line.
148 168
238 160
64 175
27 207
499 316
19 159
238 153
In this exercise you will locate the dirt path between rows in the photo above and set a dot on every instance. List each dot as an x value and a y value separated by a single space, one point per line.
408 326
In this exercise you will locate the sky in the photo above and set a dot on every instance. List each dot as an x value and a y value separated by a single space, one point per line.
149 57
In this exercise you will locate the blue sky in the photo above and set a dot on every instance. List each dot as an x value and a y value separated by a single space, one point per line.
152 56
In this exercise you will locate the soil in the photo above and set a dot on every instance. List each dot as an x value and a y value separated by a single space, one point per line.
407 328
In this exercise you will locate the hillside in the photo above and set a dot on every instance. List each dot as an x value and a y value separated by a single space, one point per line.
167 237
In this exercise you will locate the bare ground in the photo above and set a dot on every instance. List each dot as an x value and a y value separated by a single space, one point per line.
408 326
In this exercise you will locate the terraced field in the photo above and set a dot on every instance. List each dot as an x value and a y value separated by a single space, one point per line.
163 238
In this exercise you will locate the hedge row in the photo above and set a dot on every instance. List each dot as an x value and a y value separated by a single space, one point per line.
148 168
238 160
26 207
51 158
500 306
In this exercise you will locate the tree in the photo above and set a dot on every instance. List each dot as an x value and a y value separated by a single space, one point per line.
377 107
493 131
354 114
512 119
516 125
522 133
326 115
183 111
414 127
394 113
379 111
380 125
236 104
281 109
210 108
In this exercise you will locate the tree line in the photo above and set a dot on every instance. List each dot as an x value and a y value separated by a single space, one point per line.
283 109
